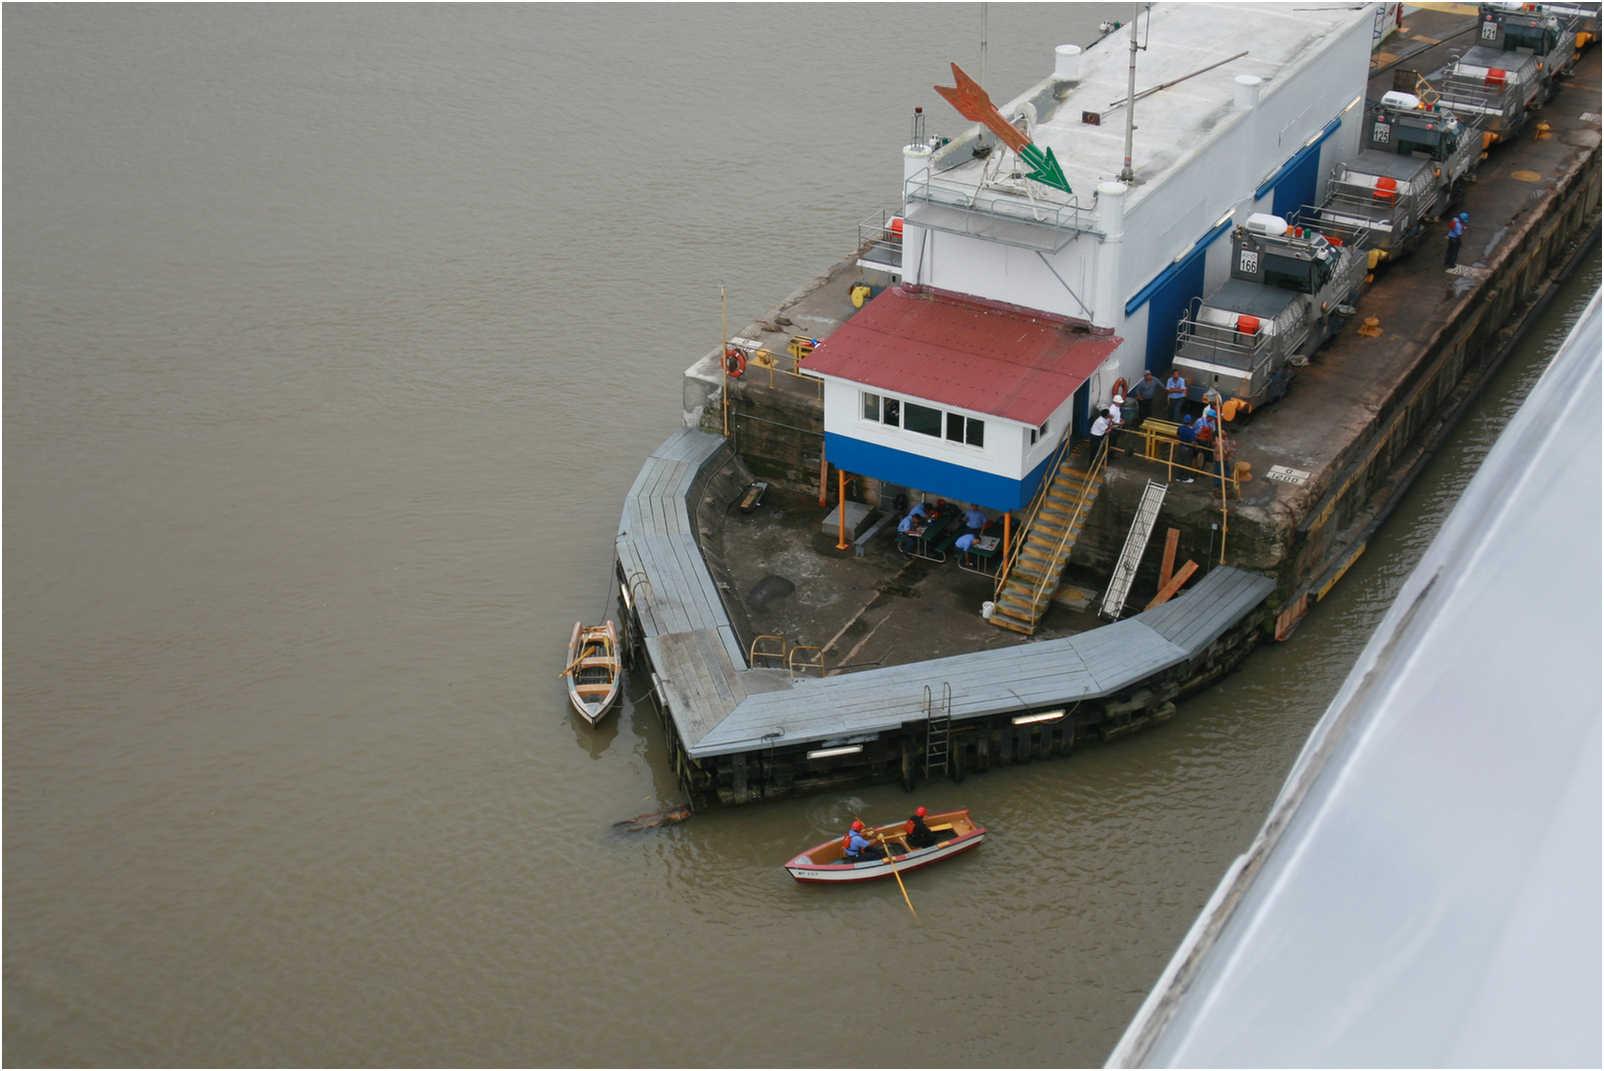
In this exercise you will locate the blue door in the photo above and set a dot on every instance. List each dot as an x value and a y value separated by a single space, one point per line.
1295 187
1165 307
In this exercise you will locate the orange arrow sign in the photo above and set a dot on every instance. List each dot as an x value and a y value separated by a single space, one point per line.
974 103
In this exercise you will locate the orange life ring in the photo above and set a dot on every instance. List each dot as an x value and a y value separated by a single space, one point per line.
1120 388
734 362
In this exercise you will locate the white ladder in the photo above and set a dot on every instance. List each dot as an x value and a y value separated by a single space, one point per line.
1119 585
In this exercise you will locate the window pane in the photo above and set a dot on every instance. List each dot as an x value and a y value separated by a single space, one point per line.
955 427
871 406
892 411
977 432
924 420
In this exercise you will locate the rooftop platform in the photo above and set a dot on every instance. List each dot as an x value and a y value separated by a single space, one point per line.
1277 37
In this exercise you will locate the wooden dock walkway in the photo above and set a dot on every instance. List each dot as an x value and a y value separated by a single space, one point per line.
721 707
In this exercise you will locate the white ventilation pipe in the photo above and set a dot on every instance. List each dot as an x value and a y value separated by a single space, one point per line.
1246 90
916 163
1067 63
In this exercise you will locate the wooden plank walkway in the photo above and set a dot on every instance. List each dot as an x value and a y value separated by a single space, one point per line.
720 707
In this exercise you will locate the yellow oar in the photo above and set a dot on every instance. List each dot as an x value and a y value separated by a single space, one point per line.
583 654
887 849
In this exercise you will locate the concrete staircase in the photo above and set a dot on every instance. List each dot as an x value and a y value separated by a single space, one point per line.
1027 588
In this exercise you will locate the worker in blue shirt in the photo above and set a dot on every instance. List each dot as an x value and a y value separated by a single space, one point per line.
905 541
974 520
1187 435
1456 231
858 846
1175 388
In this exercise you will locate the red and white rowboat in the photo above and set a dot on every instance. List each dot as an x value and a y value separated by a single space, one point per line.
825 862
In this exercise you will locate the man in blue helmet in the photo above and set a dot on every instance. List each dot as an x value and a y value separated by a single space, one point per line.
1456 230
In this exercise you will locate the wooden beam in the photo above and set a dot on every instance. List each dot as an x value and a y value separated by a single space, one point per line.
1165 593
1172 542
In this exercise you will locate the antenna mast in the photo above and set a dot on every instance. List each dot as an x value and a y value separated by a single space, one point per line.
983 44
1126 173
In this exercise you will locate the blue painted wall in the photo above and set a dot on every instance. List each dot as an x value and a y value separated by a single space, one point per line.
1164 309
939 479
1295 187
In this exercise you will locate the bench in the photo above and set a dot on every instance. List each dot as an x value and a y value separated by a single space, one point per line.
982 558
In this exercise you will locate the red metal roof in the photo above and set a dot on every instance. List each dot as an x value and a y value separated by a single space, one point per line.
963 352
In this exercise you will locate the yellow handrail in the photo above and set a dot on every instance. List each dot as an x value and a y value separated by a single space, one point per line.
1093 472
793 665
1035 508
752 653
1151 440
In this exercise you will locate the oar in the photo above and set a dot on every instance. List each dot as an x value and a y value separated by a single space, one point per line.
887 849
583 654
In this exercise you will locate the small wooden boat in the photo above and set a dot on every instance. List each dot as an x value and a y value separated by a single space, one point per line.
826 862
594 671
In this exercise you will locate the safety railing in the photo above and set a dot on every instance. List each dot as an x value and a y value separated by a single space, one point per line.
798 666
1156 438
880 240
742 356
1094 471
753 654
1498 108
1361 215
1036 502
988 202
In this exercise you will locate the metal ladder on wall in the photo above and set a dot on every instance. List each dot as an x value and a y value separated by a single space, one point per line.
1119 585
938 730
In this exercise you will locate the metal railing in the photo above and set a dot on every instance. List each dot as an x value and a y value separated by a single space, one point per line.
1363 216
987 203
1040 497
1496 109
753 654
1199 340
1217 471
797 665
1040 592
878 242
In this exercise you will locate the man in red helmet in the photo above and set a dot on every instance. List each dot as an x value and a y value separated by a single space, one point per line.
857 847
919 834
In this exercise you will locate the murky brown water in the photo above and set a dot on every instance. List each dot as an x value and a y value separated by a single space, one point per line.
333 338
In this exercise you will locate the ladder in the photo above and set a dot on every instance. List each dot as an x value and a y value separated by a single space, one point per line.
1119 585
938 730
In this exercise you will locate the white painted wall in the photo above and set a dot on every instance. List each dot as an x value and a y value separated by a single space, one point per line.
1220 177
1004 453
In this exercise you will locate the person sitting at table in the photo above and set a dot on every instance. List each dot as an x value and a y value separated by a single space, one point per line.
920 509
975 520
905 540
964 542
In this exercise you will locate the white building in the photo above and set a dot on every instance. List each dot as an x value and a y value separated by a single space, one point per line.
1257 132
